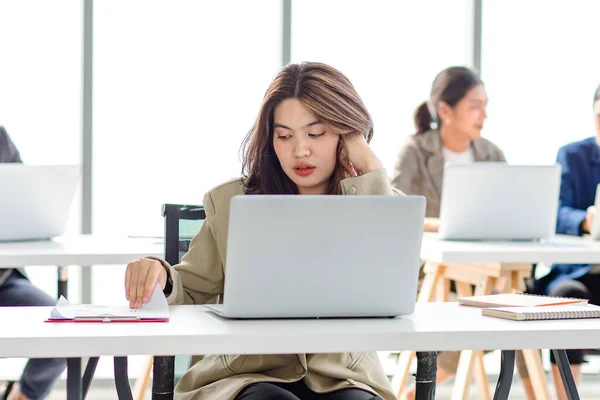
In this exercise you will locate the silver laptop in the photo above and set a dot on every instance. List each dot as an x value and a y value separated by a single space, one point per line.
322 256
497 201
35 200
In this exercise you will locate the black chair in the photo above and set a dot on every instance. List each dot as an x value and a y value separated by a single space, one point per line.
182 222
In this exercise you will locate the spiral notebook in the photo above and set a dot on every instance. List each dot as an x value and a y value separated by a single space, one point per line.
577 311
517 300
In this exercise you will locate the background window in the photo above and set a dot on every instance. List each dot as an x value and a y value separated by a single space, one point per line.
177 85
541 66
390 50
40 96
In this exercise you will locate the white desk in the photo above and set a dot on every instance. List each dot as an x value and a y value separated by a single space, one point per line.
560 249
78 250
192 330
83 250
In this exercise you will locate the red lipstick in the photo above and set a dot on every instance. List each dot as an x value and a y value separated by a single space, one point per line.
304 169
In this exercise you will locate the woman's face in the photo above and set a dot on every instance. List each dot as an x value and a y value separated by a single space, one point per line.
597 117
305 147
466 118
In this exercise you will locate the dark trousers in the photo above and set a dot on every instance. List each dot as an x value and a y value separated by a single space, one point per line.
585 287
299 391
39 374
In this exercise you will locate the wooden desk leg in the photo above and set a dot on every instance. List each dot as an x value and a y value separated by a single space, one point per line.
485 286
481 378
433 275
469 358
63 278
141 384
518 282
533 361
464 375
443 290
400 378
463 289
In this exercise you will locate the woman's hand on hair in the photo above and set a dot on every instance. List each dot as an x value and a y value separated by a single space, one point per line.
362 159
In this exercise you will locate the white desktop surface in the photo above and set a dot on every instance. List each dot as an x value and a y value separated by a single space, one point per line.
79 250
193 330
559 249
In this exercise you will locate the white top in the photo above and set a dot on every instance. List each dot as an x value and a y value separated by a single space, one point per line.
452 157
78 250
560 249
193 330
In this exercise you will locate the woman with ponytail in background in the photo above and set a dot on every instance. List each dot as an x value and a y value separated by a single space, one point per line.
449 128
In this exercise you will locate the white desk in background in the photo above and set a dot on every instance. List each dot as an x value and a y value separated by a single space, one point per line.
193 330
463 255
83 250
560 249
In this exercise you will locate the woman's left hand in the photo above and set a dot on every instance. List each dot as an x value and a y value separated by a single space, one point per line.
362 159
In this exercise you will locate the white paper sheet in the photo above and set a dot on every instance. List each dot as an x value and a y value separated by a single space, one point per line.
156 308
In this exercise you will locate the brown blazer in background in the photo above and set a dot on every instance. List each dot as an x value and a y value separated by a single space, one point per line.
199 278
420 166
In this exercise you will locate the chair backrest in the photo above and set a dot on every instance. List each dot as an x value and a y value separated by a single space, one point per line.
182 222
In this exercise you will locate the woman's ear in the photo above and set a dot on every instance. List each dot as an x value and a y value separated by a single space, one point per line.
444 112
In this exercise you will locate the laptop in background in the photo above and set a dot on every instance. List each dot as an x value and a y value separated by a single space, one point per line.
35 200
322 256
498 201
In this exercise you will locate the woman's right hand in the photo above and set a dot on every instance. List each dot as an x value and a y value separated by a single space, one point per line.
141 277
431 225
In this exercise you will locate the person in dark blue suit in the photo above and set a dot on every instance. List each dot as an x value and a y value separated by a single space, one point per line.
580 162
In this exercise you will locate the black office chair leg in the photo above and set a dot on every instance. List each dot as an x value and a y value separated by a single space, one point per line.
163 382
122 379
426 375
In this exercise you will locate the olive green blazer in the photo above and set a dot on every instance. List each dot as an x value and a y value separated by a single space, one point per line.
198 279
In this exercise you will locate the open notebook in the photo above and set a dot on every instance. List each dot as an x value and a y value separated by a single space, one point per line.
517 300
572 311
156 310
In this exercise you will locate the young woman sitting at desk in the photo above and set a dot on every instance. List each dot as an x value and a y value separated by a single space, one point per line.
449 128
580 162
310 137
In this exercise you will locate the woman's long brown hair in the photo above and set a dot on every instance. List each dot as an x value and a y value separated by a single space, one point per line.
330 96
